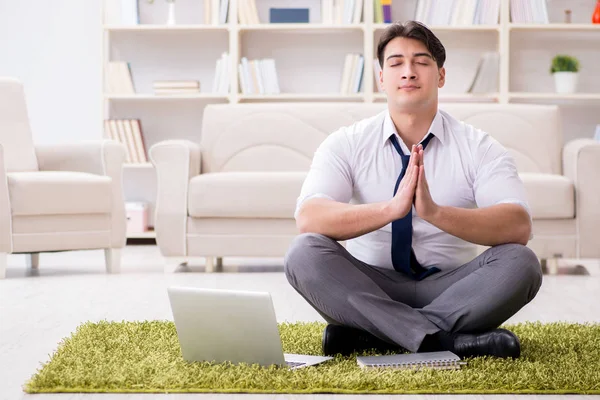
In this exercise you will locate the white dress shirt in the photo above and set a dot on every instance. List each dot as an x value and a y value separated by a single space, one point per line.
464 166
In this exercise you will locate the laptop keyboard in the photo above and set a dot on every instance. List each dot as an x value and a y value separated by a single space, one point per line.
293 364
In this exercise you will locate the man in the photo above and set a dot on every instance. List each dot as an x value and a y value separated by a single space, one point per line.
413 191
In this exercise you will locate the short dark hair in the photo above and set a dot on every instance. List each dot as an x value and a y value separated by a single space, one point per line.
413 30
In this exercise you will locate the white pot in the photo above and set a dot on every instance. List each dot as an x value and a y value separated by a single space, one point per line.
565 82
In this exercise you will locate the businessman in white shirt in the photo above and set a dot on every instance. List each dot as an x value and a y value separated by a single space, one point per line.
412 191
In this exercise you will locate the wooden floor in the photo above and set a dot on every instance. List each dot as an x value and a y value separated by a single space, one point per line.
39 308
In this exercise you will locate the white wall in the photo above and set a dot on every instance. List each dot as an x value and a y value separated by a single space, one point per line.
55 47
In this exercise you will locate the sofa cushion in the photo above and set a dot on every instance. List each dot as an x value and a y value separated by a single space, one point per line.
58 192
550 196
245 194
274 194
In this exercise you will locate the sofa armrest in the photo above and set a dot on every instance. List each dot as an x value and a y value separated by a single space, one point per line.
581 163
5 213
175 162
99 157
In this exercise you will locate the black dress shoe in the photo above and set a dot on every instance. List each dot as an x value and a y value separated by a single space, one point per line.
344 340
498 343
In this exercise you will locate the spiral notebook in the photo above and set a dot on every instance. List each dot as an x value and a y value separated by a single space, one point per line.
434 359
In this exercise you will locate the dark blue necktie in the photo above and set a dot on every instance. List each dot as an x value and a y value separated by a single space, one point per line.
403 256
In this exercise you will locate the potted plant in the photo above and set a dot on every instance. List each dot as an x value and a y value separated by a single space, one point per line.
565 70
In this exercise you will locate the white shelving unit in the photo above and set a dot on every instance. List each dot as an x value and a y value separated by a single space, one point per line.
309 60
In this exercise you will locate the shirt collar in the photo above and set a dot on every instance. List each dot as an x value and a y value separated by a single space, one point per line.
436 128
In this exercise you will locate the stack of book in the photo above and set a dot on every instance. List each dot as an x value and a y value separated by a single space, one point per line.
222 71
129 133
376 71
352 73
458 12
486 77
258 76
176 87
118 78
529 11
247 12
383 11
216 12
122 12
341 11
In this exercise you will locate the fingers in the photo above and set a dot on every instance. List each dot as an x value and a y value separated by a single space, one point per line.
420 153
409 182
421 180
416 155
414 178
415 161
409 169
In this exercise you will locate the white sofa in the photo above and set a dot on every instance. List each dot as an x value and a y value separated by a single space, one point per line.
56 197
234 192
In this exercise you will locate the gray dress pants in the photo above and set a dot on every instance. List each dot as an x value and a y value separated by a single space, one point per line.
475 297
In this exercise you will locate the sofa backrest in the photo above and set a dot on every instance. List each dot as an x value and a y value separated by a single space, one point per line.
284 136
15 132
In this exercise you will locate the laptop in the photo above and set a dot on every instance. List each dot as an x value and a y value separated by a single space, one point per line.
229 325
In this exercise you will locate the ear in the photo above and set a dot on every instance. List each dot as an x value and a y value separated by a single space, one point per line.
381 80
442 77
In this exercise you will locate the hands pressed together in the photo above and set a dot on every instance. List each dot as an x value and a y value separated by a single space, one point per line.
414 189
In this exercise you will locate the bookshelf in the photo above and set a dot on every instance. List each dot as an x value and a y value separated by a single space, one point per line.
309 60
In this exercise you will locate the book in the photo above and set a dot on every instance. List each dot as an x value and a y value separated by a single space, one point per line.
119 78
352 73
288 15
176 84
434 359
129 133
486 77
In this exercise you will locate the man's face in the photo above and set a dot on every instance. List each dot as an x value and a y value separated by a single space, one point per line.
410 77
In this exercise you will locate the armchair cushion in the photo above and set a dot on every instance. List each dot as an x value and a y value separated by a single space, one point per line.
245 194
58 192
550 196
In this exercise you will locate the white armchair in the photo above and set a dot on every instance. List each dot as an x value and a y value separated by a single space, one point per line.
57 197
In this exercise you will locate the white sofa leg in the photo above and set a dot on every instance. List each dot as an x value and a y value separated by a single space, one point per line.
552 266
33 260
210 264
112 258
3 261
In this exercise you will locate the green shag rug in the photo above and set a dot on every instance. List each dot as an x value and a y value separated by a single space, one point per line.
145 357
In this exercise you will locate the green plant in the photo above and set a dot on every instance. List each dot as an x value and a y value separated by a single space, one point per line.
564 63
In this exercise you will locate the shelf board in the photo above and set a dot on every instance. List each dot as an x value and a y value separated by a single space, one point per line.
554 96
178 96
166 28
302 96
137 165
450 28
300 27
151 234
554 27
